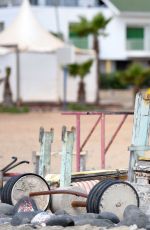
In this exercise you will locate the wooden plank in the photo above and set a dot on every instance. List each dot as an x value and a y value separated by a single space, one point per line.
46 139
140 133
68 138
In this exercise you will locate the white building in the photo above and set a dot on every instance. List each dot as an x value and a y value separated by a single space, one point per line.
37 73
128 32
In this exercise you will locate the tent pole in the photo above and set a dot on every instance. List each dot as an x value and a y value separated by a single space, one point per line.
18 75
65 88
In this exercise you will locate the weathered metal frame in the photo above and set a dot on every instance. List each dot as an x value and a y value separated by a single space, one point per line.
140 132
101 121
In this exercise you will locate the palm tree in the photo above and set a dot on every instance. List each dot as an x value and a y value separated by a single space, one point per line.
7 93
94 27
135 75
80 70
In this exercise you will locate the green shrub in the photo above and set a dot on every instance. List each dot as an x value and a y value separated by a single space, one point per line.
111 81
146 83
80 107
14 109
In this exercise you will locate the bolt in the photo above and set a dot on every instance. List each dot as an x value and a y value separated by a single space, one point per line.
118 204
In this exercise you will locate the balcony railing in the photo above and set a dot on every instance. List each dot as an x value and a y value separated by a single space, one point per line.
88 3
135 44
80 42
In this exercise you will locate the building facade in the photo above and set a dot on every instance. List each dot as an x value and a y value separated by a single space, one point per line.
128 33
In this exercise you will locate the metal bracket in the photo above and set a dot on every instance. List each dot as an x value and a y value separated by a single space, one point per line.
139 148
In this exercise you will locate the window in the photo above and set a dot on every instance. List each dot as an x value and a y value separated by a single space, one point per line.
80 42
135 38
101 3
33 2
1 26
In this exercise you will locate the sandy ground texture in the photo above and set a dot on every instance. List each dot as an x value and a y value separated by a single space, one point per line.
19 136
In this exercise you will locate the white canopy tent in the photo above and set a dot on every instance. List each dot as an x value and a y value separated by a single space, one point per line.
26 35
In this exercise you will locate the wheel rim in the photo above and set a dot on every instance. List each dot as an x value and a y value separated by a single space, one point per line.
116 197
28 183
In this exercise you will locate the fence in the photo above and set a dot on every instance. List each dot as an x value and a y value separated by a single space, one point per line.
101 121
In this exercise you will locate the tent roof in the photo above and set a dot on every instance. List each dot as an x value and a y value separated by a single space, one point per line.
28 34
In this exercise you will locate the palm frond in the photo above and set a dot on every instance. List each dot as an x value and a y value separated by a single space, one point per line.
80 70
85 27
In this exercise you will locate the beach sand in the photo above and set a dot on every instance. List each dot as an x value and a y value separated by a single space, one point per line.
19 136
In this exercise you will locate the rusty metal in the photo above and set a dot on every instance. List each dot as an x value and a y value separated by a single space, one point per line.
89 135
50 192
19 163
6 168
103 149
116 132
78 204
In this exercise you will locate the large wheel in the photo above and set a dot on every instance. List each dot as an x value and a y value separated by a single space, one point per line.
115 196
5 193
20 186
8 189
92 195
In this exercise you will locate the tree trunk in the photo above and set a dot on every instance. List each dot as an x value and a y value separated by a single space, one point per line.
96 48
7 95
81 92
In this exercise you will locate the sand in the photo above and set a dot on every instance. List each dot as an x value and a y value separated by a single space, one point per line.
19 136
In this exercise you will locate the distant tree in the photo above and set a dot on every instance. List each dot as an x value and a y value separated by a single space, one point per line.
80 70
7 93
96 28
135 75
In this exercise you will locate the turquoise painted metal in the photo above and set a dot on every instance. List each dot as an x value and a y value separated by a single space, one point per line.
68 138
45 139
140 133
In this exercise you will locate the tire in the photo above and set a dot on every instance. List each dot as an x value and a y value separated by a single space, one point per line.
4 196
96 194
90 200
118 200
22 185
8 189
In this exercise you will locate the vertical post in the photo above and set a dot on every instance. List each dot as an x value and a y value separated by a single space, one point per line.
18 74
65 88
103 141
46 139
68 138
35 161
78 143
83 162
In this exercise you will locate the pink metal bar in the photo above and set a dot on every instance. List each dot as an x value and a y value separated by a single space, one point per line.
116 132
97 113
90 133
78 142
103 149
102 164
